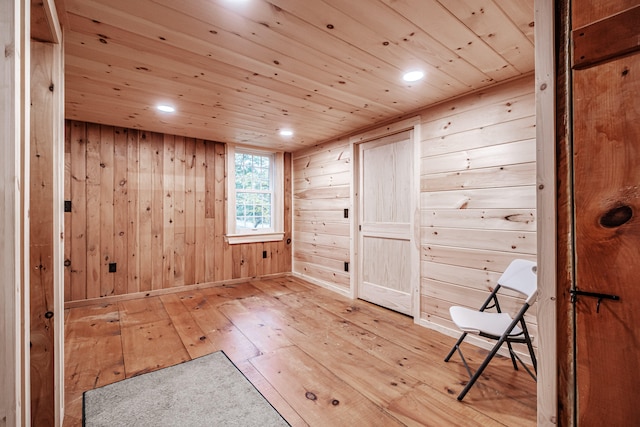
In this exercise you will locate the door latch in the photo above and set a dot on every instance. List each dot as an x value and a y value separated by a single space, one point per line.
576 292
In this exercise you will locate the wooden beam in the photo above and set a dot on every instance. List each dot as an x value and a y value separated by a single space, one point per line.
14 182
46 233
58 141
45 26
546 210
614 36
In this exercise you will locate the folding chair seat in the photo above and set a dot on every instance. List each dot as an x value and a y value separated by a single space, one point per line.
520 276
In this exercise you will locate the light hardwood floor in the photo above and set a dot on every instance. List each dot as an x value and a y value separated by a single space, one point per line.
319 358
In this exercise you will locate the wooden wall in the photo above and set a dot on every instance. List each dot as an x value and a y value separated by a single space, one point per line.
46 233
478 195
478 200
154 204
322 191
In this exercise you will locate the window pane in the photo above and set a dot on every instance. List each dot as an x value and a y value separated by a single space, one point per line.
253 191
263 179
243 171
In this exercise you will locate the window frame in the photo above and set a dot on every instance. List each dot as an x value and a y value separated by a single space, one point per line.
276 232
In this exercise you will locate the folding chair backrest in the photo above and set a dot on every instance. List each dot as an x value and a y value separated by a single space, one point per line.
520 276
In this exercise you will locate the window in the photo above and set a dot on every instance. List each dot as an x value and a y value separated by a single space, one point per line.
254 191
255 183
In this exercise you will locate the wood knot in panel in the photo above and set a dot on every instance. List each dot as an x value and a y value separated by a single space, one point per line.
617 216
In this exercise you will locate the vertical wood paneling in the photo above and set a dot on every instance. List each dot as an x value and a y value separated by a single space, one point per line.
238 261
144 206
41 234
274 258
210 180
157 200
224 256
253 259
106 210
281 256
199 220
212 268
179 212
77 234
45 170
245 257
120 211
190 211
92 210
168 211
133 229
155 205
67 218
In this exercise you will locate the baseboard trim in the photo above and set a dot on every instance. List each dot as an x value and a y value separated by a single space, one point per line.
157 292
323 284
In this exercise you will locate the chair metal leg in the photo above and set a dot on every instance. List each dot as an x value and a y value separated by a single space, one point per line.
533 357
455 347
482 367
512 355
526 368
464 362
534 361
493 352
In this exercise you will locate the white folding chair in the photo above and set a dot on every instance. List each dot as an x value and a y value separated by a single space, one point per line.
520 276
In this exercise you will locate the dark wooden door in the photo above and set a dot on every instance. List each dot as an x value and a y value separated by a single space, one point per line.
606 156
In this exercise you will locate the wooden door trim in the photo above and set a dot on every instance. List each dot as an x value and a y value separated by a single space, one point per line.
15 404
564 376
545 75
410 124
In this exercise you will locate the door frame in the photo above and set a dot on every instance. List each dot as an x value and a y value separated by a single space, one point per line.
549 241
411 124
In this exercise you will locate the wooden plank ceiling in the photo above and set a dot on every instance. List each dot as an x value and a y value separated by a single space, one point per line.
239 71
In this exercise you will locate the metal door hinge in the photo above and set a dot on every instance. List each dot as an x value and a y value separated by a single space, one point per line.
575 293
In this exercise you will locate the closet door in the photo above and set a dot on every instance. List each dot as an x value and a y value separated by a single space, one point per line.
385 222
606 161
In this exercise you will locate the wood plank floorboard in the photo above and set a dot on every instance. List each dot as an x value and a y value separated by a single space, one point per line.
319 358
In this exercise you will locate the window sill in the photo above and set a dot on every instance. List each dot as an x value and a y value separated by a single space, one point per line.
235 239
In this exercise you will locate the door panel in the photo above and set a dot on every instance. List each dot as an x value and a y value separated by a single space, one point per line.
386 211
607 236
387 278
386 178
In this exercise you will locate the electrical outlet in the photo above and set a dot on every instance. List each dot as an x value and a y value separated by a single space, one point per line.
112 267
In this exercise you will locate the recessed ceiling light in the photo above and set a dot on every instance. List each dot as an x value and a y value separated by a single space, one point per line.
166 108
286 132
413 76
